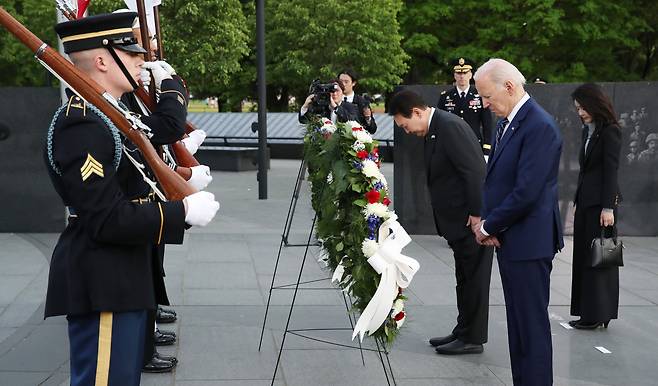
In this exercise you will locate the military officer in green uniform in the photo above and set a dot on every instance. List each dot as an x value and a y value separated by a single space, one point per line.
464 100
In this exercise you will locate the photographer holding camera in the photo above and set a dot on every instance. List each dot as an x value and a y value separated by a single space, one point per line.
348 79
326 100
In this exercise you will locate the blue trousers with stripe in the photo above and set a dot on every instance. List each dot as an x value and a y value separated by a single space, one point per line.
107 348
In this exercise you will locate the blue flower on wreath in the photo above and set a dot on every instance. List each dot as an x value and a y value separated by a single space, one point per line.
357 165
378 185
373 223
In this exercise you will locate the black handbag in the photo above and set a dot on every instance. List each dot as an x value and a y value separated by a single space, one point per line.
607 252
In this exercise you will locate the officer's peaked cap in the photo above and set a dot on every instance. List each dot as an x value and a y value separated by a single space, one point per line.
99 31
462 65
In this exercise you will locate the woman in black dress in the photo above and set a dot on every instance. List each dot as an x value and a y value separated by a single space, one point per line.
595 291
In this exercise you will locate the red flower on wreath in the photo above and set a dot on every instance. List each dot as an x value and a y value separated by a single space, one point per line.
357 128
372 196
399 316
375 150
386 201
362 154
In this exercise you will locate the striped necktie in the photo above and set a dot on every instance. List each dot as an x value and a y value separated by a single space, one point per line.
500 129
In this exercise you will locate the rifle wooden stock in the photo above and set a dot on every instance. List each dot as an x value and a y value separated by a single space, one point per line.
173 185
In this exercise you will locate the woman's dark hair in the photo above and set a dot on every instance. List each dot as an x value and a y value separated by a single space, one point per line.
592 99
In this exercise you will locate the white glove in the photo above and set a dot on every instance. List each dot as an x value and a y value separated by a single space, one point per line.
167 67
200 177
145 77
159 73
194 140
201 208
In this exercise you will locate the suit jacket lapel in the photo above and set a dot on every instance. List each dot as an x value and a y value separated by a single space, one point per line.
592 142
581 151
430 141
511 130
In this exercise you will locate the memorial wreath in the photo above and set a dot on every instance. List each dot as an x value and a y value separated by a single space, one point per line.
360 236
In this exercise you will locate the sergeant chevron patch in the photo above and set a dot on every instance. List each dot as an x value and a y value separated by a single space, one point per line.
91 166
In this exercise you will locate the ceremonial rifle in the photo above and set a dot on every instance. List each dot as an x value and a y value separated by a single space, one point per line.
173 185
184 159
183 156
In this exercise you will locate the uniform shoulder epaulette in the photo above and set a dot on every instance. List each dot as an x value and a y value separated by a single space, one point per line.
76 103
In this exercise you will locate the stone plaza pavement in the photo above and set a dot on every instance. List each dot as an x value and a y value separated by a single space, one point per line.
218 282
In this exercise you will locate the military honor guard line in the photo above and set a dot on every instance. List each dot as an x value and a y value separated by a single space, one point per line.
119 153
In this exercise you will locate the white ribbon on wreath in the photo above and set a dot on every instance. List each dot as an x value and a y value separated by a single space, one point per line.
396 270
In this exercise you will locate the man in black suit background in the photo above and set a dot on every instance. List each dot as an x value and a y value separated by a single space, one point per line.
464 101
455 173
348 79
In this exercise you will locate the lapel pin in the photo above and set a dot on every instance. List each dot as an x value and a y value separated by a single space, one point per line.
432 136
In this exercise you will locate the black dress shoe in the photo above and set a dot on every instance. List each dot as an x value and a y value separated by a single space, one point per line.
162 339
162 316
167 310
573 323
158 365
167 332
440 341
590 326
457 347
156 354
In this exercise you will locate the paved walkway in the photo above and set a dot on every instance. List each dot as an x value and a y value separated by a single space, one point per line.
219 278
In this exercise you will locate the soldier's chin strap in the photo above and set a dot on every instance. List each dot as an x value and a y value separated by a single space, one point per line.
122 66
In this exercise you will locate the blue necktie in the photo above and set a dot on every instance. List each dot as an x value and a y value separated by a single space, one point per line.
500 129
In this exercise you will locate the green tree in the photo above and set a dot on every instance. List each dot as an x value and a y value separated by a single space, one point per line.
308 39
204 40
17 64
563 40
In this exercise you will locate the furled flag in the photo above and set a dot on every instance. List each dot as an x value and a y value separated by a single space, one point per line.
148 5
82 7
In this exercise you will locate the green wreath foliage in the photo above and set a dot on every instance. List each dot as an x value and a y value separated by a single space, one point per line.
340 193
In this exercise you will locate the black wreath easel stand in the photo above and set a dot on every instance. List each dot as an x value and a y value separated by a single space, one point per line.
284 237
381 350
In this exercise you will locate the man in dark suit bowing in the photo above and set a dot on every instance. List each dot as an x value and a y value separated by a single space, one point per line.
520 215
455 171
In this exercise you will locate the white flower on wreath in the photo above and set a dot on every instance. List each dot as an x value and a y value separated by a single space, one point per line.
358 146
398 306
377 209
328 127
370 169
362 136
349 125
330 178
392 216
369 247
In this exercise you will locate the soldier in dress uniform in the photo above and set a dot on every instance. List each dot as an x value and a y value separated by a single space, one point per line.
167 122
104 275
464 100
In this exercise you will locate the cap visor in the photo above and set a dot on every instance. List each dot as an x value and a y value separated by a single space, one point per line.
131 48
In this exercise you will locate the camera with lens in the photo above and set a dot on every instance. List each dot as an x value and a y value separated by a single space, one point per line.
322 98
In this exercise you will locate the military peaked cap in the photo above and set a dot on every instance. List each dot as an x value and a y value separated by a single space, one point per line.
112 29
462 65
